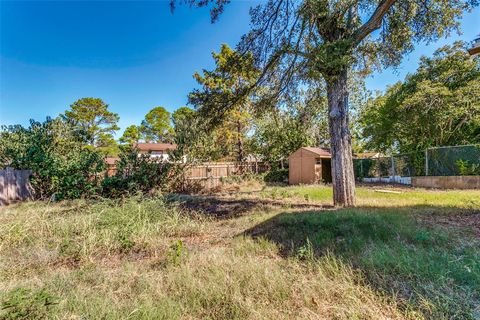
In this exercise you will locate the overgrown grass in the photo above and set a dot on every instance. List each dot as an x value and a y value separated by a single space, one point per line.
429 269
144 258
41 235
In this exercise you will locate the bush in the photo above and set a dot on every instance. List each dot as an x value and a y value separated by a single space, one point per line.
62 163
141 173
65 166
465 168
279 175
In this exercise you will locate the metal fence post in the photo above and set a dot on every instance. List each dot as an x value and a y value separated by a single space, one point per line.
361 168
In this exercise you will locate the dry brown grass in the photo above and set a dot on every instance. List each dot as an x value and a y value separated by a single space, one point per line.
148 259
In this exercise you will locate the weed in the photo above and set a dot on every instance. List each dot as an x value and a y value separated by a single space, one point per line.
176 253
22 303
305 252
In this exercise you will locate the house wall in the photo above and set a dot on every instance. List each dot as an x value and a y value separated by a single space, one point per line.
158 154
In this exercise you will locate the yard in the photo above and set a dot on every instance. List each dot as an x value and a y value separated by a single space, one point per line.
256 253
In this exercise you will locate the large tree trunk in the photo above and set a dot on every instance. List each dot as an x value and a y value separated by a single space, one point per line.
341 145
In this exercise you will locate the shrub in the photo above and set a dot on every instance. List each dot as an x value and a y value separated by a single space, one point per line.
466 169
62 164
142 173
280 175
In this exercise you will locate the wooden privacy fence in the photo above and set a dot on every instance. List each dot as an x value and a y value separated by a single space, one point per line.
14 185
210 175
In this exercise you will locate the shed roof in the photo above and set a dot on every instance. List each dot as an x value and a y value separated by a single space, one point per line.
320 152
155 146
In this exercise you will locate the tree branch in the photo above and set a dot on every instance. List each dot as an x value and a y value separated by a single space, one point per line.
374 22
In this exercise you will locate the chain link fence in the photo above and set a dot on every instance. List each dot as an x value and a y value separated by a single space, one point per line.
401 165
440 161
453 161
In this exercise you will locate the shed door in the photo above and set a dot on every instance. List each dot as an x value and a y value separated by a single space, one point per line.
308 169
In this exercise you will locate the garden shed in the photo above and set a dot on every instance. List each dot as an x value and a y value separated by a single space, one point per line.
309 165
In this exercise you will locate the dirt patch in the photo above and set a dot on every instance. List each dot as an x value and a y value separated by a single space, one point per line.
469 220
226 207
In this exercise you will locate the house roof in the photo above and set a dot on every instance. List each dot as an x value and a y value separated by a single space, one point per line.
155 146
474 50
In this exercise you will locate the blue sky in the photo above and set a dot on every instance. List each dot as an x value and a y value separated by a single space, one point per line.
133 55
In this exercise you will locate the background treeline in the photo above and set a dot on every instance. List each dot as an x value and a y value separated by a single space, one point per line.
437 105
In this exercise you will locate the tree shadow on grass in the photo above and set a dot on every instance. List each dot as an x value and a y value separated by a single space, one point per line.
433 270
225 208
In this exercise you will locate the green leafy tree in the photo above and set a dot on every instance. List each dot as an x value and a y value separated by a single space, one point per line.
222 100
182 118
13 150
131 135
185 128
62 163
297 42
156 126
438 105
194 139
93 117
107 145
302 122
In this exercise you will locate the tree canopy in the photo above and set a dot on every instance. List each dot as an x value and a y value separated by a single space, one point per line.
186 130
156 126
226 87
222 101
303 121
93 117
438 105
131 135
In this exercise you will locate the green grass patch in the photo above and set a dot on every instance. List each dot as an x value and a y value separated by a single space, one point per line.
371 197
434 270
